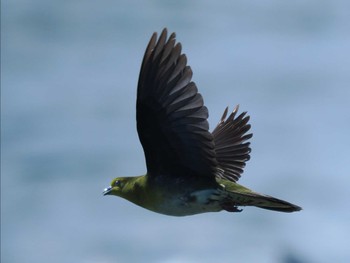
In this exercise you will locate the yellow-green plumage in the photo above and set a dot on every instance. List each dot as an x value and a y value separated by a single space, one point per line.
189 169
181 198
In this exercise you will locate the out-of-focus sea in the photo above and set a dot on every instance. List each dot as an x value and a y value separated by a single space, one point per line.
69 75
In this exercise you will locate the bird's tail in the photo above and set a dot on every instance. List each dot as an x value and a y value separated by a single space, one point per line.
245 197
275 204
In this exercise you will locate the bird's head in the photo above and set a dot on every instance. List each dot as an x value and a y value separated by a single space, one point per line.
128 188
116 187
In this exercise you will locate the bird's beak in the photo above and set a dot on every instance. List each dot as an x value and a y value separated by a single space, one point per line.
107 190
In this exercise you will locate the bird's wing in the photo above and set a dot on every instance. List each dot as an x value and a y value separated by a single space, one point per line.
232 150
171 118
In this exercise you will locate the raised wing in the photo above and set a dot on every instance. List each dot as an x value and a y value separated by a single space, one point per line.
231 149
171 118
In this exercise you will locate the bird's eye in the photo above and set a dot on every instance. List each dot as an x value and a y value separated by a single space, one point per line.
117 183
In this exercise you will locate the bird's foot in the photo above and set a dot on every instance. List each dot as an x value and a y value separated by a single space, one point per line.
231 208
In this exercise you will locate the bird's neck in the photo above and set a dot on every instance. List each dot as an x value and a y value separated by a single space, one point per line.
136 190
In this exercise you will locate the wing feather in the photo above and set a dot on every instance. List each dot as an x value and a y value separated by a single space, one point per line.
232 150
171 116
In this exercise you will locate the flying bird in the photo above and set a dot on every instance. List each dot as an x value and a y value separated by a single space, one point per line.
189 169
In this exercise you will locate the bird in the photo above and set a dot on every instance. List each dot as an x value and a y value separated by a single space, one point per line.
190 170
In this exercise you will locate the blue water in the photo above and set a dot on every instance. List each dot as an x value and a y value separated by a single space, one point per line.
69 74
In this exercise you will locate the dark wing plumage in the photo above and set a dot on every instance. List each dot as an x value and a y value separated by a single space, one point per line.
171 118
231 149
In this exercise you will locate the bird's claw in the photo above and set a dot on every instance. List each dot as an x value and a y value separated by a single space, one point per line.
231 208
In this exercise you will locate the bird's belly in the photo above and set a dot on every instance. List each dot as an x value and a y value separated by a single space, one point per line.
197 202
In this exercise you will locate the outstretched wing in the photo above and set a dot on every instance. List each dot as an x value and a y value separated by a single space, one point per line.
231 149
171 118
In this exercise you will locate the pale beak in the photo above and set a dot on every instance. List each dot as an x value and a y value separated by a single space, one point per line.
107 190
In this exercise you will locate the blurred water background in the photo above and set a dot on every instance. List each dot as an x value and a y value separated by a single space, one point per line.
69 75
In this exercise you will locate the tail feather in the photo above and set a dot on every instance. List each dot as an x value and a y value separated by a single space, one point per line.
290 209
272 203
236 199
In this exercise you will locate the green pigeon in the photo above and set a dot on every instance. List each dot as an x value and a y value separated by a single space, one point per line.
189 169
